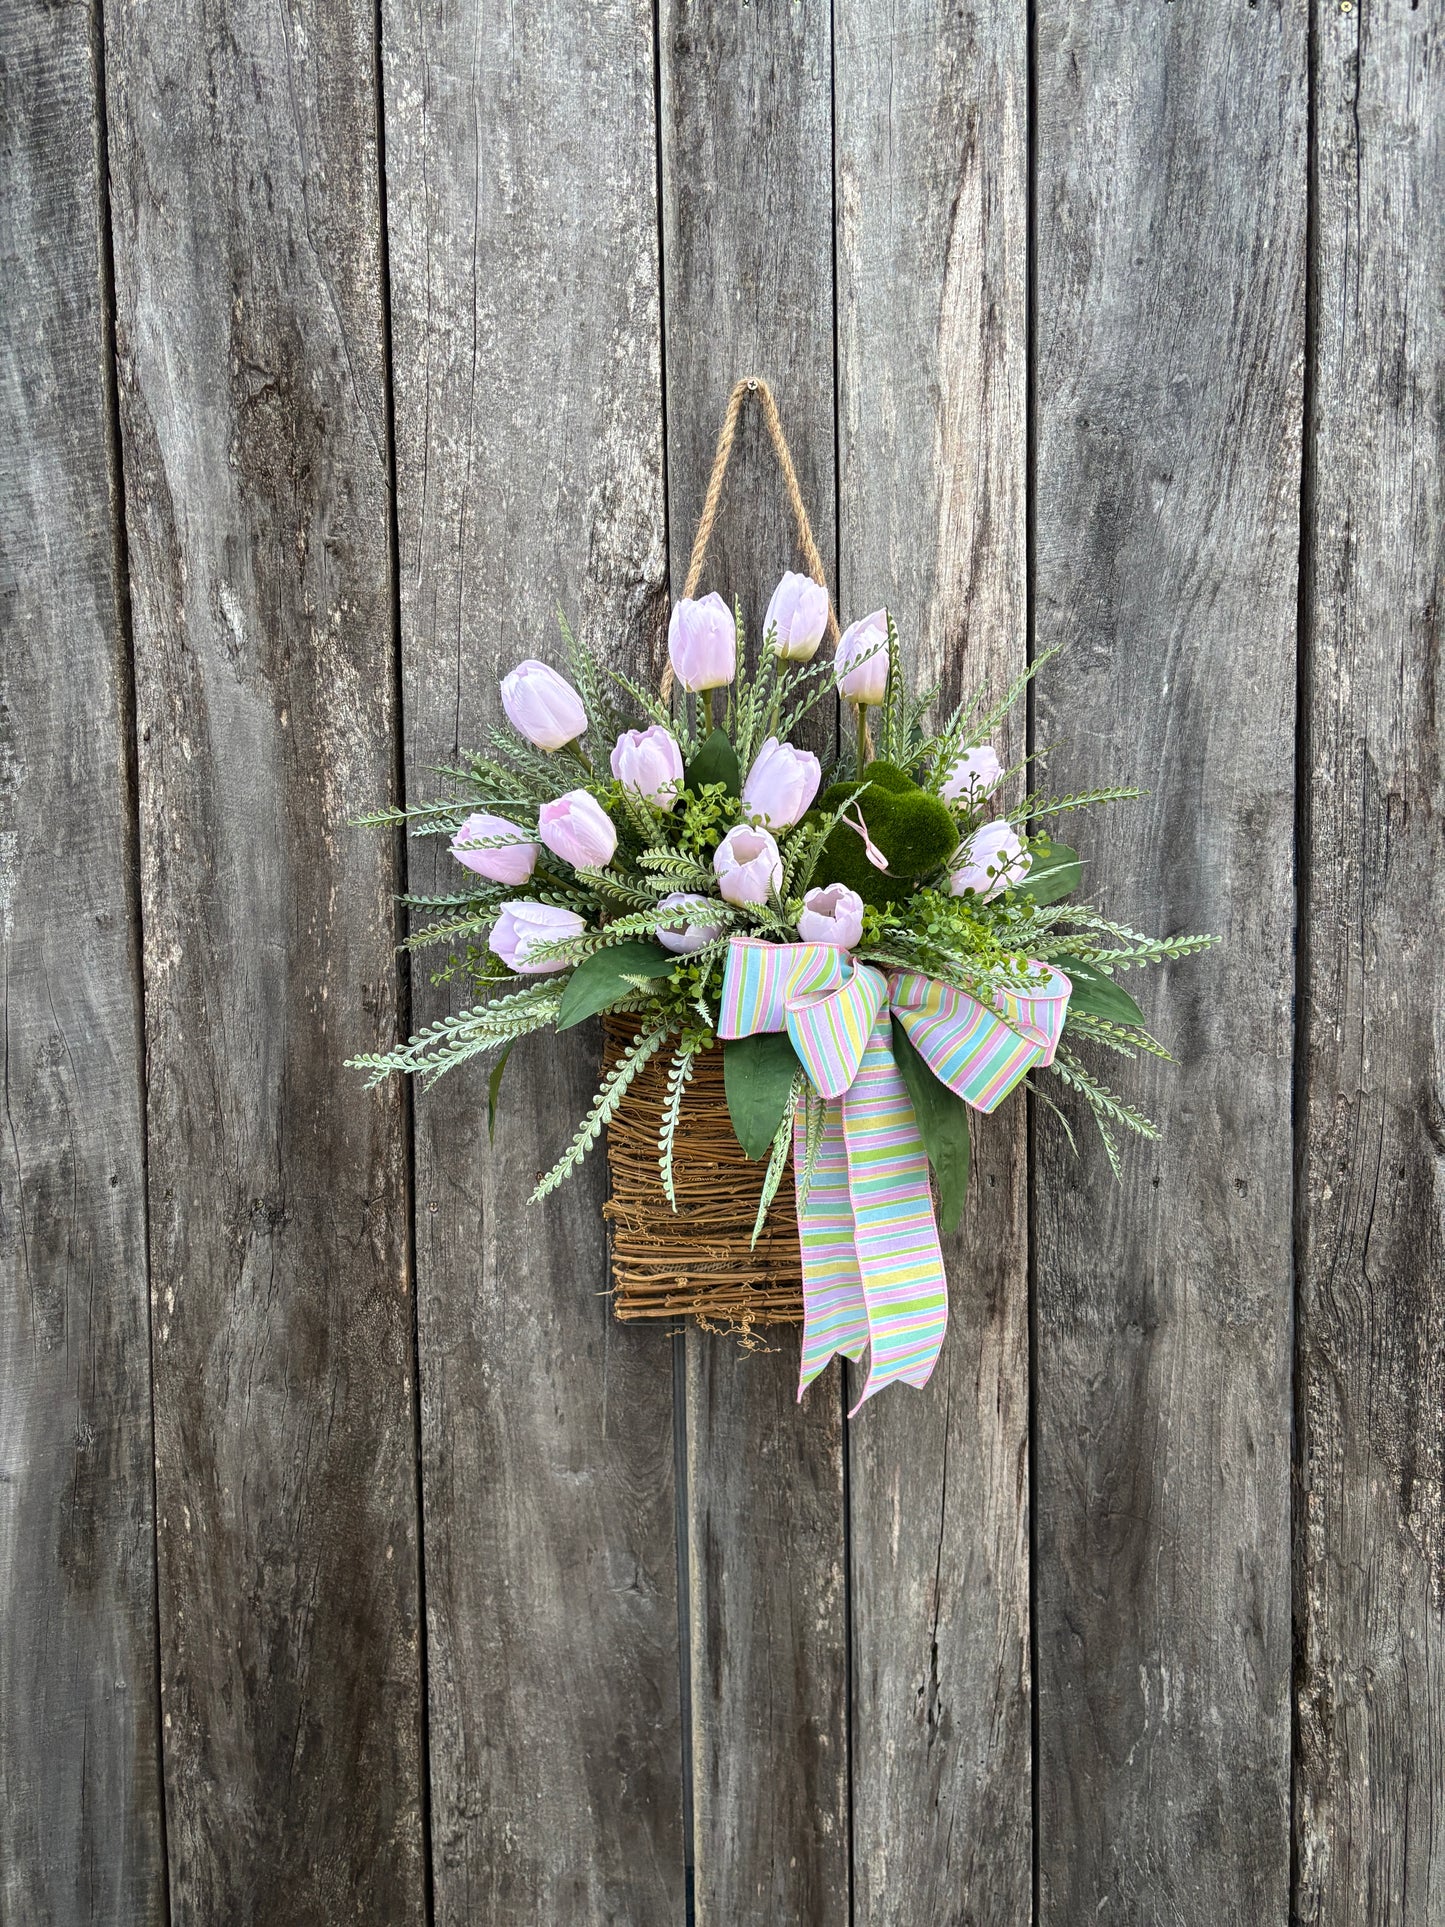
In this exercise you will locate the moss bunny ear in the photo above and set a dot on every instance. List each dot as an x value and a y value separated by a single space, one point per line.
916 832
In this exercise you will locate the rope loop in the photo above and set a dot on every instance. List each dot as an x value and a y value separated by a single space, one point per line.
807 547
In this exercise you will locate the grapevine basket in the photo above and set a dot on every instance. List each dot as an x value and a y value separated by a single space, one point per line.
700 1260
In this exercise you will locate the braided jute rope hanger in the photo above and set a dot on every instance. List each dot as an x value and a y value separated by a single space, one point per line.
807 547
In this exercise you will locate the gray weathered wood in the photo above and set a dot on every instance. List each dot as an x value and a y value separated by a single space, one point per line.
933 280
80 1801
1369 1776
1170 219
250 340
747 259
521 165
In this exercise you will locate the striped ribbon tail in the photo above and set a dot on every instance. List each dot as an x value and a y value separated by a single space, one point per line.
895 1232
872 1267
835 1312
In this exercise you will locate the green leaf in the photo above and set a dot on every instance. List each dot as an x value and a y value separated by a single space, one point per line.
609 975
758 1075
715 762
943 1125
494 1084
1095 995
1057 876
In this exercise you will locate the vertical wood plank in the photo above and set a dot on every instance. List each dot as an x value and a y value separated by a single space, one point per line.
521 163
250 338
748 273
1170 221
932 298
1370 1781
80 1801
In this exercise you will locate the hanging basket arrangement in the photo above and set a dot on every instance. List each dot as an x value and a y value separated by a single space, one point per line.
810 967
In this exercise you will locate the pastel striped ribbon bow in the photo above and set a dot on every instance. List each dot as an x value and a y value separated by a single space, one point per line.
872 1268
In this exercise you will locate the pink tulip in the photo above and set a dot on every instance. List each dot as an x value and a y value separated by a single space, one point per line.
578 829
523 926
650 762
542 706
511 862
974 777
681 940
748 866
832 915
868 683
702 642
993 860
781 783
797 618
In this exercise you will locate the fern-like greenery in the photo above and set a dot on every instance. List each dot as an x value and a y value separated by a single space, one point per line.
678 1077
778 1156
815 1118
604 1107
452 1040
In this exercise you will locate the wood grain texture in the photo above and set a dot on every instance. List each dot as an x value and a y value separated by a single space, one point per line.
521 166
932 297
747 202
250 342
747 254
80 1799
1170 218
1370 1522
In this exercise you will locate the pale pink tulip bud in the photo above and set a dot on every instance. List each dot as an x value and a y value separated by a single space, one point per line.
748 866
974 777
683 939
650 762
523 927
832 915
781 784
543 706
868 683
510 862
702 642
797 618
993 860
578 829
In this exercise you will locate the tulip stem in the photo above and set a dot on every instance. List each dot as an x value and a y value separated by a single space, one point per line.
707 712
575 748
862 736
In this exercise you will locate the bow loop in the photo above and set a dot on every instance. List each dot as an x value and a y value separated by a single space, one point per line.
760 976
978 1052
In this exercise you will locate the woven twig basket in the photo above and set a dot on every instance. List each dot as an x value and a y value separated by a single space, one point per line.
698 1261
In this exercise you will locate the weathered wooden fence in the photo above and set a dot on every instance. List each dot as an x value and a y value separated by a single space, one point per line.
353 1563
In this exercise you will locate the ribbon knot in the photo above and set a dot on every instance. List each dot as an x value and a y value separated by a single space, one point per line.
873 1277
830 1028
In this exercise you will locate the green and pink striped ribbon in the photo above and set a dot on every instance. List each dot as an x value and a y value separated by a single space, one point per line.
873 1277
